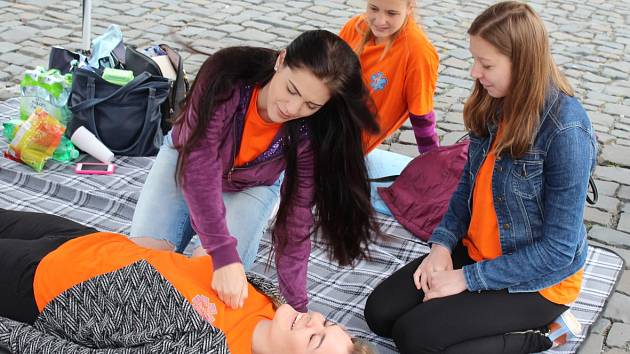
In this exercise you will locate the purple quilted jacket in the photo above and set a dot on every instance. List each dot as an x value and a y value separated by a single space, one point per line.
210 171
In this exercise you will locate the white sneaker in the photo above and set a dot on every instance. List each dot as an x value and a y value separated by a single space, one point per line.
563 328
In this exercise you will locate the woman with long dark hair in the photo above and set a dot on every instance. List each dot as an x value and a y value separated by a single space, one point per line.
253 113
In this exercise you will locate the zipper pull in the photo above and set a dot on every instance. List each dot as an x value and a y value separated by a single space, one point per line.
230 174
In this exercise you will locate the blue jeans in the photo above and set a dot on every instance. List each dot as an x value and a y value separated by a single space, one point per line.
162 212
381 163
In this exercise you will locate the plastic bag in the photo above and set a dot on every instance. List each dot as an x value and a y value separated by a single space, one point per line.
65 152
103 46
36 139
47 89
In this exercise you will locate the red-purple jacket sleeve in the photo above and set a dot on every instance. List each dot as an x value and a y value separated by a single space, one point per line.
292 264
424 131
202 181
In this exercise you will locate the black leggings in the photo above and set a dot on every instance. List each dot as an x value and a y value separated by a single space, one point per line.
26 238
470 322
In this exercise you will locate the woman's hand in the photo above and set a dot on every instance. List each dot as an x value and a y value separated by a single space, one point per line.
446 283
230 283
439 259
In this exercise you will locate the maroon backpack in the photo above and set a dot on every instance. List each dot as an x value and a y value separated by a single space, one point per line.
420 195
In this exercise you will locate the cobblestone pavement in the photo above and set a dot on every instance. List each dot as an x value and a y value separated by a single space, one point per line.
590 41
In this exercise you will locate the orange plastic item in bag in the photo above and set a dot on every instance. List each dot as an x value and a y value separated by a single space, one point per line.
36 139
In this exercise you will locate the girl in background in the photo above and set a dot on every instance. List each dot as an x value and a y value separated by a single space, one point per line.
507 258
400 69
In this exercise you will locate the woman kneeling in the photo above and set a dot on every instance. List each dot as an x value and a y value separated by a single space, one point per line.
507 257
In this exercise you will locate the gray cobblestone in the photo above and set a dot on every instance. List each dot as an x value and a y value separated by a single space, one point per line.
593 344
137 12
622 134
609 236
596 216
618 90
607 188
619 335
284 32
20 34
254 35
617 308
452 137
16 59
601 326
407 137
615 351
229 28
7 47
403 149
594 78
624 222
607 203
617 109
624 284
601 118
616 174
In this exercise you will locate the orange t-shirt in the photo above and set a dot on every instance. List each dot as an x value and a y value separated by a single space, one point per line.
403 81
86 257
257 133
482 239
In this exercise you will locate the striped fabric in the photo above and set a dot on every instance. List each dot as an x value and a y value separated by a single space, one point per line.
147 315
107 202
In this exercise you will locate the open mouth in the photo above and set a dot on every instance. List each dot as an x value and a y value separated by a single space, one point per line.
296 319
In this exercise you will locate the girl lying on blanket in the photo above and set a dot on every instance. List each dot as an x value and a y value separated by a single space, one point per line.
508 256
88 285
251 114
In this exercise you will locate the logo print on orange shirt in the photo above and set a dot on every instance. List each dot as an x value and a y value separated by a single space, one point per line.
205 308
378 81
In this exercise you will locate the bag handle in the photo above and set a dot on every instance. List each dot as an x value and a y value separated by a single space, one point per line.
390 178
91 102
593 187
145 124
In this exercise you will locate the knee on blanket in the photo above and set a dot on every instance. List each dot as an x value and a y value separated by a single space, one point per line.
378 315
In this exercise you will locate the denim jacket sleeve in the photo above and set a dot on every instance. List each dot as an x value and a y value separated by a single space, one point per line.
567 167
454 224
292 264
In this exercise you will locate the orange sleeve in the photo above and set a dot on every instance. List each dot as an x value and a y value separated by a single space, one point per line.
422 75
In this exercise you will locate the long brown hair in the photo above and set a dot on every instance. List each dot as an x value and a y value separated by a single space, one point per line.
517 32
361 347
367 35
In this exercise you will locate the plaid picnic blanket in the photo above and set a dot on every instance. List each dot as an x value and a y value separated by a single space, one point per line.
107 203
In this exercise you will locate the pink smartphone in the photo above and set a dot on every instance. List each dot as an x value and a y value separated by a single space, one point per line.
94 168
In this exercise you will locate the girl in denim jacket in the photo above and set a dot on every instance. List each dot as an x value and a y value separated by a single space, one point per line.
507 257
252 114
